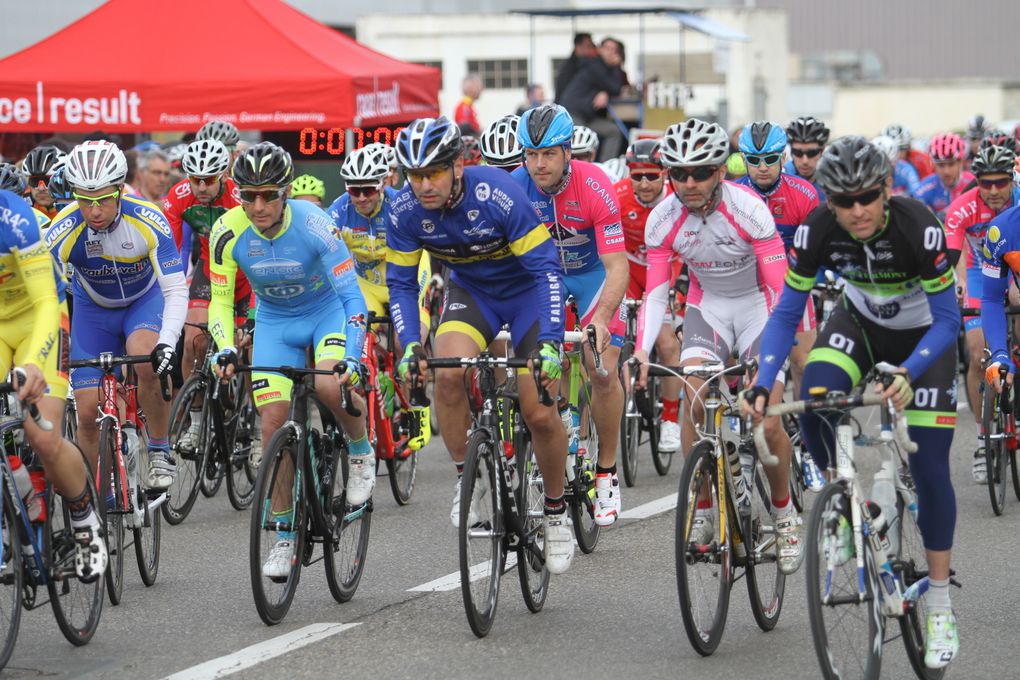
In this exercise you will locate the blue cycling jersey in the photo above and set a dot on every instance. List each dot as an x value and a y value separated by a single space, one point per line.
491 239
906 181
1000 262
364 236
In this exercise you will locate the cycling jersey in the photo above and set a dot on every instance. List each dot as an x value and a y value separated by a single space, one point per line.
789 168
583 218
734 256
937 196
900 278
1000 255
633 215
365 236
303 267
494 244
905 179
967 220
790 200
118 265
921 162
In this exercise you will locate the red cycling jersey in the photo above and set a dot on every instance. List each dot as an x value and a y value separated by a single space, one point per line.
922 163
633 215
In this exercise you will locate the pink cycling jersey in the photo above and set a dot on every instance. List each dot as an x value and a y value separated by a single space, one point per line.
735 257
967 220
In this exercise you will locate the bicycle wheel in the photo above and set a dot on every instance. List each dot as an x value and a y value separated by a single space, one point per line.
77 606
630 423
913 566
1015 468
581 498
191 461
662 460
481 539
273 595
210 482
704 573
147 539
111 490
247 451
350 527
530 500
402 472
797 483
996 457
11 578
766 585
848 640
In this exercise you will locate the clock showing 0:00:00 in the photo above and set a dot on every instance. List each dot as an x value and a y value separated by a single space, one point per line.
314 141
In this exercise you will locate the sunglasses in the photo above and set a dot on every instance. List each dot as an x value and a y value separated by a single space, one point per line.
800 153
104 201
267 195
363 191
1001 183
847 201
769 159
35 180
700 174
208 181
418 176
645 177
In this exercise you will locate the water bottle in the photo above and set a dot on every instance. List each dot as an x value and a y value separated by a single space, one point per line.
511 462
741 497
23 482
131 446
883 493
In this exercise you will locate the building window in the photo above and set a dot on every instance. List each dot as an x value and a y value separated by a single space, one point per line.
501 74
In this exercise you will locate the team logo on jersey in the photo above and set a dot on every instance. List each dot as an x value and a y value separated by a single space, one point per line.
127 245
632 215
482 191
994 234
472 215
428 226
93 248
573 204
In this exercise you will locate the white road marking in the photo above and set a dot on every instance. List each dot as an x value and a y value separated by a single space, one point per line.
452 581
263 651
659 505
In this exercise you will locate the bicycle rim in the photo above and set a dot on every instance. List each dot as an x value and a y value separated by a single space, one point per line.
847 633
348 548
581 498
402 473
190 462
11 579
995 450
766 585
77 606
273 596
704 573
246 444
481 542
530 499
662 460
147 540
630 441
111 486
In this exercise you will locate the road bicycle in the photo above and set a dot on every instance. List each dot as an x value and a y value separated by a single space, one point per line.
123 460
304 467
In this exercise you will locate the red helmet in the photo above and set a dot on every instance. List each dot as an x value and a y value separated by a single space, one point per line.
947 146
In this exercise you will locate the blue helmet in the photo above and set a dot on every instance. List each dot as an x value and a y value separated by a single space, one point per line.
429 141
59 188
545 126
762 137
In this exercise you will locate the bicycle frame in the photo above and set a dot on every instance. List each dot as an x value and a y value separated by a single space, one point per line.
108 410
28 535
388 446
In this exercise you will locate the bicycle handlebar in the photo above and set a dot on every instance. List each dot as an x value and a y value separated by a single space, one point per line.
107 362
590 336
489 361
294 373
33 410
703 371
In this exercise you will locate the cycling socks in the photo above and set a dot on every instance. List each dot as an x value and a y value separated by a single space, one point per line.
460 469
159 444
360 447
555 506
611 470
285 516
938 594
671 410
81 510
783 507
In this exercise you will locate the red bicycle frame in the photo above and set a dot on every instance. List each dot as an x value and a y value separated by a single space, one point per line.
109 390
373 357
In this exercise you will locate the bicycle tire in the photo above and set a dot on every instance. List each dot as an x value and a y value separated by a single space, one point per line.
190 464
630 425
1014 466
12 577
281 447
662 460
530 501
581 499
243 464
994 421
699 467
347 550
77 606
111 488
147 540
833 501
481 471
402 473
766 584
210 482
797 483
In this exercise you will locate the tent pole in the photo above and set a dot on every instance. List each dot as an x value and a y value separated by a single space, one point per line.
531 50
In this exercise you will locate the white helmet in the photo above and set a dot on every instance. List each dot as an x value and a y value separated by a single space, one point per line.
221 130
500 147
367 164
206 158
899 133
616 168
694 142
585 140
389 154
889 146
95 164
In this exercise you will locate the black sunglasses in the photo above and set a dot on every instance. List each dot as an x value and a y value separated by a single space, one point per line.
700 173
810 153
847 201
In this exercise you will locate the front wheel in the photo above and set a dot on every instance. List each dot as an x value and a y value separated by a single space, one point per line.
581 498
147 536
246 445
766 585
12 579
191 453
530 500
402 473
996 454
77 606
481 536
110 505
347 549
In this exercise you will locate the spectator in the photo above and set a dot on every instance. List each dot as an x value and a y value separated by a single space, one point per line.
584 46
464 114
153 176
536 97
587 95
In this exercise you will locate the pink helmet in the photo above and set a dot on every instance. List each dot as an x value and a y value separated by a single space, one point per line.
947 146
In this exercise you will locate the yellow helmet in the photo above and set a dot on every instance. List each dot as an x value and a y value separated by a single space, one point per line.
308 185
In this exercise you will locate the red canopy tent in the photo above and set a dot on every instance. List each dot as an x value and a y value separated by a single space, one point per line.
140 66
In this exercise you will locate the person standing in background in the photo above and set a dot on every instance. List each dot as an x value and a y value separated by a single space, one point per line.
586 97
535 94
153 175
464 114
584 46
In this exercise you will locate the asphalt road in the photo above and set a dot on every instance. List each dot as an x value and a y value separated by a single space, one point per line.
614 614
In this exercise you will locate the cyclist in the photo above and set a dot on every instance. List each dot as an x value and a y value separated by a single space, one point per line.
390 154
977 128
910 320
309 188
224 132
584 145
919 160
60 190
734 255
967 221
38 166
577 203
303 280
808 137
500 147
637 194
905 181
129 291
12 179
33 336
503 269
950 179
472 150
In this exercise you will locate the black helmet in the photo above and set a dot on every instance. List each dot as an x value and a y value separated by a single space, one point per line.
12 179
264 164
999 138
58 186
994 158
976 127
221 131
42 160
851 164
807 129
644 152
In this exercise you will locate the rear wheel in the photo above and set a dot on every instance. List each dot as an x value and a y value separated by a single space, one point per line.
11 580
111 494
191 460
246 445
765 583
77 606
402 472
350 527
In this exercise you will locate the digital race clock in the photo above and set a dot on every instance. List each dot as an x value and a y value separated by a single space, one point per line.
323 144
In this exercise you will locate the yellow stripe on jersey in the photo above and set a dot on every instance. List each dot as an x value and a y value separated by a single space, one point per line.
530 241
